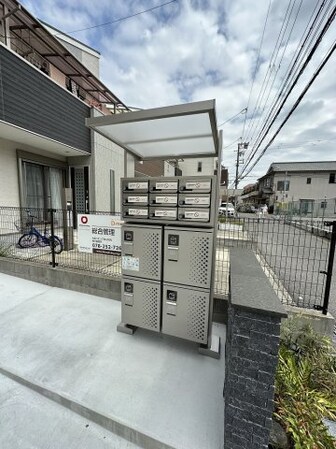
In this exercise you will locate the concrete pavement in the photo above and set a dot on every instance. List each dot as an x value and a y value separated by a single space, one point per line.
152 390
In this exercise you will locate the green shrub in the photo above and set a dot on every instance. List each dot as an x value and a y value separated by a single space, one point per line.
305 389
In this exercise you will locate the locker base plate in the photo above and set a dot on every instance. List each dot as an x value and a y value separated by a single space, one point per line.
126 328
213 350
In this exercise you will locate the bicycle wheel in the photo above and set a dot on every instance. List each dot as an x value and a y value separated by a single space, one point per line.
58 245
27 240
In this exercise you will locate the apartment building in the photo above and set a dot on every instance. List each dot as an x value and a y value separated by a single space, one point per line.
49 85
306 184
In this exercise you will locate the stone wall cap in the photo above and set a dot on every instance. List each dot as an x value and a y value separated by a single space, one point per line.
249 286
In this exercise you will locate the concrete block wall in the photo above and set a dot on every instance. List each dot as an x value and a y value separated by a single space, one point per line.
251 360
252 344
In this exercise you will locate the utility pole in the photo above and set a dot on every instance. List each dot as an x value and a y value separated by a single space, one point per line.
242 146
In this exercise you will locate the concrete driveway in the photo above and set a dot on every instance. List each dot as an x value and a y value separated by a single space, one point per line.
68 379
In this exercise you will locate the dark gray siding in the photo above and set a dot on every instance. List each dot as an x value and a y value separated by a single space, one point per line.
30 100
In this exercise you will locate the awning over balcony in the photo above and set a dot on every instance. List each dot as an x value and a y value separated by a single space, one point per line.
25 28
181 131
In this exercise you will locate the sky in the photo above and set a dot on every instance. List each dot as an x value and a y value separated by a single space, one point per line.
193 50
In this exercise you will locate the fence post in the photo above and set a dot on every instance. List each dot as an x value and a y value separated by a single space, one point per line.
330 265
51 238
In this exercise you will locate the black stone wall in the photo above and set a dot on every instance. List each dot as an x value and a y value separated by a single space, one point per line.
252 344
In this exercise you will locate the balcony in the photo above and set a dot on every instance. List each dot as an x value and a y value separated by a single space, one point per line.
33 102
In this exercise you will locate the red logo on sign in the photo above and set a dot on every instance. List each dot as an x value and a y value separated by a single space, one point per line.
84 219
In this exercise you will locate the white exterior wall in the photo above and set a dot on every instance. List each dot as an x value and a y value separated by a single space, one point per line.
107 156
299 189
88 57
168 169
130 165
189 166
9 178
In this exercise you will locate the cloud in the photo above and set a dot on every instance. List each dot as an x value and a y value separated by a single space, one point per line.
194 50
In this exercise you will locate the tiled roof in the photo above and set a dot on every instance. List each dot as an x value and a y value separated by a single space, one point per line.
302 166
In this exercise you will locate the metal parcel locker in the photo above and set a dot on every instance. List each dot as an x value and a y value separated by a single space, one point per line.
168 256
170 133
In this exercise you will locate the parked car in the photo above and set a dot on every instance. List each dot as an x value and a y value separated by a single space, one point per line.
226 210
246 208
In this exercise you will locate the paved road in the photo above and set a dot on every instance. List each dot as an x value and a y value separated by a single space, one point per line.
296 257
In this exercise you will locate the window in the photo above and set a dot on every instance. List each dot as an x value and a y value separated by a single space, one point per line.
199 167
332 178
283 186
306 206
308 180
43 186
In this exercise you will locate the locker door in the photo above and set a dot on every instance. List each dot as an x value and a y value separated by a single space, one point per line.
185 312
141 248
141 303
188 256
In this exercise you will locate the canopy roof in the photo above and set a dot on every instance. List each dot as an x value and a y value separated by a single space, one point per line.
181 131
27 29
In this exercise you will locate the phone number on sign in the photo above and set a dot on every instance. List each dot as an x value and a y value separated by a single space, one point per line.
106 246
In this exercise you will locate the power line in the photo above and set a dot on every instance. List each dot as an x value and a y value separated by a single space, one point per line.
121 18
278 64
243 111
257 62
291 70
290 75
263 86
296 104
310 55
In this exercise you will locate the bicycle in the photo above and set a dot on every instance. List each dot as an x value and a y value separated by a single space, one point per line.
33 237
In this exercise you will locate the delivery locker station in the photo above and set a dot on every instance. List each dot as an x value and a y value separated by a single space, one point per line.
169 235
168 249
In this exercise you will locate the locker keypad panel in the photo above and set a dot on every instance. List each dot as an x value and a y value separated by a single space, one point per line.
185 312
141 251
141 303
188 257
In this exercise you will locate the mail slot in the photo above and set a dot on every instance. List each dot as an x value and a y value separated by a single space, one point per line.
192 214
194 200
163 213
134 185
134 198
197 184
135 212
168 185
161 199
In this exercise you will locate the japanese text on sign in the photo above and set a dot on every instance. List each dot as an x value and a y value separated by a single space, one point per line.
99 234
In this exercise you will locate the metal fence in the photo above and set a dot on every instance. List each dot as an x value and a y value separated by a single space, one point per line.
15 222
307 209
293 253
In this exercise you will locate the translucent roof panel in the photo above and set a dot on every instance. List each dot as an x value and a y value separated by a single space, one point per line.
186 130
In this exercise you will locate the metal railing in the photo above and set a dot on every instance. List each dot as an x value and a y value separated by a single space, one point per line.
295 257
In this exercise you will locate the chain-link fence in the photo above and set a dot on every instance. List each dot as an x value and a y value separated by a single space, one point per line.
293 252
307 208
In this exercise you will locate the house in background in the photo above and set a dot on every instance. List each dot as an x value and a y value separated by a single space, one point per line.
154 168
250 194
306 187
49 86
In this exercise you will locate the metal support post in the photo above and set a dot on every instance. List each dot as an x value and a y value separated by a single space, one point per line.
330 266
51 238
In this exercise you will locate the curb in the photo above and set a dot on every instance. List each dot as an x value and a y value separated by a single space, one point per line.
109 423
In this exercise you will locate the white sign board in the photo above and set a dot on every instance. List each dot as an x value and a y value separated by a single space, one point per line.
99 234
